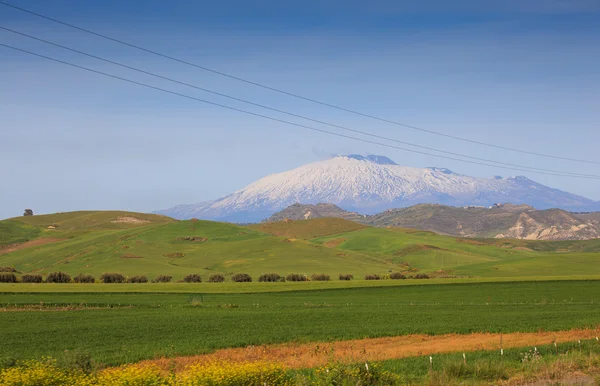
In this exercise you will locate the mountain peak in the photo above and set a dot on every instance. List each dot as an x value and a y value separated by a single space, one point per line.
378 159
441 170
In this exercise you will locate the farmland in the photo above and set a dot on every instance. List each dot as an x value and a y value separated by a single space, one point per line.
475 286
143 326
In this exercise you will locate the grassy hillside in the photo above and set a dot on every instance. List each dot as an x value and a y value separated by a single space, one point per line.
308 229
13 232
488 258
142 244
180 248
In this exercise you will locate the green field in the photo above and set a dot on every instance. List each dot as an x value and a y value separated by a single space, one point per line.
142 244
124 327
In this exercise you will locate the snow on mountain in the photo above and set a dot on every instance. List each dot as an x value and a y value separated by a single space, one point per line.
371 184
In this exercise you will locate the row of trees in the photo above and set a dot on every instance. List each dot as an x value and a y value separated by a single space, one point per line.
9 276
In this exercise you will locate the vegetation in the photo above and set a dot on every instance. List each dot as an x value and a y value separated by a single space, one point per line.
83 278
296 277
397 276
346 276
216 278
136 243
112 278
8 277
236 320
269 277
137 279
372 276
58 277
31 278
320 277
241 278
192 278
162 279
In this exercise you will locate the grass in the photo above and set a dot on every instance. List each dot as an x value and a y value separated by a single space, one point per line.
96 242
14 232
141 326
309 229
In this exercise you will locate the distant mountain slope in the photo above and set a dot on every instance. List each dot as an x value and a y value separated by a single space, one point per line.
308 211
508 221
504 221
373 184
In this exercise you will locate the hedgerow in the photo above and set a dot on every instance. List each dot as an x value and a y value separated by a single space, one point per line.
58 277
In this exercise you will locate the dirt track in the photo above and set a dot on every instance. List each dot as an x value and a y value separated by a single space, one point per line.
28 244
316 354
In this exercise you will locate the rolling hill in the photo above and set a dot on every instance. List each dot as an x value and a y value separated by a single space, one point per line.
138 244
498 221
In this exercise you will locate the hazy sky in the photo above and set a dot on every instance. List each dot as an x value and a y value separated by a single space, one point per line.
523 74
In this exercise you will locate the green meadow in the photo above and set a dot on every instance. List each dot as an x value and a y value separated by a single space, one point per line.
117 328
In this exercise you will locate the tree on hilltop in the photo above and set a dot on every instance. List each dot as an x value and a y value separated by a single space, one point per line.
28 212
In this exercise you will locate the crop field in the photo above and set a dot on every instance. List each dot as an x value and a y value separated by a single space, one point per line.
144 326
472 289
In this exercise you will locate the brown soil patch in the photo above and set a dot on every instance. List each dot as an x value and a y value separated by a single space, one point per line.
129 220
469 241
197 239
308 355
174 255
333 243
130 256
414 248
28 244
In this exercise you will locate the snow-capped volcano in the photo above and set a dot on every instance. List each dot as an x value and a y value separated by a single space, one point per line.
371 184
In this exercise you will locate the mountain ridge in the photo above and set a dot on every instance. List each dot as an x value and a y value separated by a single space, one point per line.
372 184
497 221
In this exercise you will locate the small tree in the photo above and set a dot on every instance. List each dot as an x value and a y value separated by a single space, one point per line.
192 278
162 279
58 277
28 278
241 278
216 278
28 212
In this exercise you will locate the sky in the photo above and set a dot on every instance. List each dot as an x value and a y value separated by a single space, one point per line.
521 74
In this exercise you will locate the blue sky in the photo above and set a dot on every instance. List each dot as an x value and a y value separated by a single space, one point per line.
522 74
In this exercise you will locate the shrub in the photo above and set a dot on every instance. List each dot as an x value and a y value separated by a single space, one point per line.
320 277
241 278
27 278
372 276
58 277
192 278
366 374
269 277
162 279
137 279
397 276
7 269
216 278
346 276
82 278
112 278
421 276
296 277
8 278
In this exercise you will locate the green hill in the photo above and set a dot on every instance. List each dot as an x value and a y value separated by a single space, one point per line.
144 244
91 242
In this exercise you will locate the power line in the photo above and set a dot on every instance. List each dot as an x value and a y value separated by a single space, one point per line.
281 120
297 95
288 113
